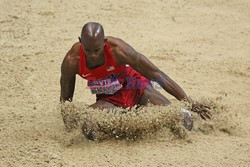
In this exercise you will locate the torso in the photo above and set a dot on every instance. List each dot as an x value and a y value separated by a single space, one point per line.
108 67
106 78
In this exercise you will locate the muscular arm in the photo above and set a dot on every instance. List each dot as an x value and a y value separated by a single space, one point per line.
150 71
68 75
127 55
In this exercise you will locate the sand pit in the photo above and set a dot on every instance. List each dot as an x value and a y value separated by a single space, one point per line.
202 45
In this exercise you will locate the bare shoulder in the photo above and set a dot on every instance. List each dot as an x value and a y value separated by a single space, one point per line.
117 43
74 53
120 49
113 40
70 61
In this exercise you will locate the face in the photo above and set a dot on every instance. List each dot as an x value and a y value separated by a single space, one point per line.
93 48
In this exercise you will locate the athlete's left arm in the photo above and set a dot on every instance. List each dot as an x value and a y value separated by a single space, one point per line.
127 55
141 64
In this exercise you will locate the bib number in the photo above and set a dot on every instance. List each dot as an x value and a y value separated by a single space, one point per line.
109 85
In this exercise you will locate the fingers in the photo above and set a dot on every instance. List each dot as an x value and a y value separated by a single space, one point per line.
202 116
209 114
206 115
203 110
207 107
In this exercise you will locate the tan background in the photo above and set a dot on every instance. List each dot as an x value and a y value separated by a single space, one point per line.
202 45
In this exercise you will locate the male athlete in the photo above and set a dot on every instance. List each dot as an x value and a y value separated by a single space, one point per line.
116 73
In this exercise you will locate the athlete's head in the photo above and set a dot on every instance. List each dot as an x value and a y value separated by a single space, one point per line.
92 39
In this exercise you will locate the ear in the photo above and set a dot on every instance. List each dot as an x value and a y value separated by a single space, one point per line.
80 40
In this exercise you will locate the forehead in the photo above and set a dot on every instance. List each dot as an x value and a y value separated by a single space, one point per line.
92 43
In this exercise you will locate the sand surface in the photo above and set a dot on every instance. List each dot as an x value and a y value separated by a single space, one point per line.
203 45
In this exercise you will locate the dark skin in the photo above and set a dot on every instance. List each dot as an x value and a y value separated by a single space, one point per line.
92 39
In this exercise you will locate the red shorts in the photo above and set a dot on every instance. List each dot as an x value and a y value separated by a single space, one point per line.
129 95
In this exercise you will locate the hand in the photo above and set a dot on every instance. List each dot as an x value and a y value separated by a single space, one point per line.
203 110
88 129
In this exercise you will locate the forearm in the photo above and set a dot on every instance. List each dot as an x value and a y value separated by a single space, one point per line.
67 91
141 64
171 87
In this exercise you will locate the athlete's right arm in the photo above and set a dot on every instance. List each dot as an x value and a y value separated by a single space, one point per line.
69 69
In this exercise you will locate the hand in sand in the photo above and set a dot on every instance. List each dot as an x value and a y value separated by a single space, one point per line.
203 110
88 129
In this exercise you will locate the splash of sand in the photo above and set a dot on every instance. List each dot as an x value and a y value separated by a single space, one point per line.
123 123
138 123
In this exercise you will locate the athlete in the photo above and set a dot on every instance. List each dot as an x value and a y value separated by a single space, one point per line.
118 74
